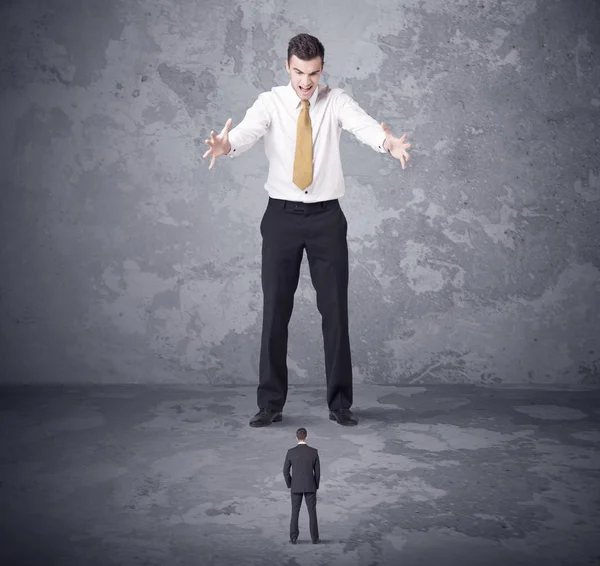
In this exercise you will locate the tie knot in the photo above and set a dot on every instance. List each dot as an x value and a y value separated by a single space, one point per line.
305 103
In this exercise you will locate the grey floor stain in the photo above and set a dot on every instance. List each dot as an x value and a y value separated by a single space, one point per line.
174 475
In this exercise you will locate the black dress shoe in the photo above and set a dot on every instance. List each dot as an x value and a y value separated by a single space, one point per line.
316 541
265 417
293 540
343 417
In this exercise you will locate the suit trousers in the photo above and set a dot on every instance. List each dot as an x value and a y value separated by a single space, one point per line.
288 228
311 505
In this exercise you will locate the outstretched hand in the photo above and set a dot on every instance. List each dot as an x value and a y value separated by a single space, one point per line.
219 145
397 146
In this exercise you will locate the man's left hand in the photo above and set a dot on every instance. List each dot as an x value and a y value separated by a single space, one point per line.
397 147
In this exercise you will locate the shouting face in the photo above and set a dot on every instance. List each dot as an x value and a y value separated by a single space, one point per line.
304 75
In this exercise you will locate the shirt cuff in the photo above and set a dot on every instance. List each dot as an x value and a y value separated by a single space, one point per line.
234 151
381 148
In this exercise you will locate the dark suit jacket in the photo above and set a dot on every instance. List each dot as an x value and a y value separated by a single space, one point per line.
306 469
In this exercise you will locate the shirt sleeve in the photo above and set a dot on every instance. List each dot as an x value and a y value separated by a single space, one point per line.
254 125
356 121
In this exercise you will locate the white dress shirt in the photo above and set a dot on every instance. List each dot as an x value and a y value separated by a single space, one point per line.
275 115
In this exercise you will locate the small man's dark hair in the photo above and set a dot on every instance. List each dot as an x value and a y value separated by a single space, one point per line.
301 434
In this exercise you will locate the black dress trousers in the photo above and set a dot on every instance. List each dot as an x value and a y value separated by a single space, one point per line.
311 506
288 228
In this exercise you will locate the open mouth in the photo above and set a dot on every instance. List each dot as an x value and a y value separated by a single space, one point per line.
305 90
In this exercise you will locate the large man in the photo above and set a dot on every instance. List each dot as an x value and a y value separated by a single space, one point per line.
302 124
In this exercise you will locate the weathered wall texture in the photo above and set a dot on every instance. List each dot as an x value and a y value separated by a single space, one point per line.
123 259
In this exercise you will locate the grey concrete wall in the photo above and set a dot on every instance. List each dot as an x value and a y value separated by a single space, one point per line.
123 259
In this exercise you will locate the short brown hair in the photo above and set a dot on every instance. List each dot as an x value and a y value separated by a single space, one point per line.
305 47
301 434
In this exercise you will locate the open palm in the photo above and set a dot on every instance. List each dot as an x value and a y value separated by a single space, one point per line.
397 147
218 145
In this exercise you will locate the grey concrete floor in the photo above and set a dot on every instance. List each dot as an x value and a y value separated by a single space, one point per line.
161 475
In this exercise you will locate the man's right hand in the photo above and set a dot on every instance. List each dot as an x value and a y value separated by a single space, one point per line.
219 145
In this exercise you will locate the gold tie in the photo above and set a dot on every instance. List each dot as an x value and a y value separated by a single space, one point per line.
303 161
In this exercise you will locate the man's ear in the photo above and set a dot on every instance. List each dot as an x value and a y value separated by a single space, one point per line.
287 66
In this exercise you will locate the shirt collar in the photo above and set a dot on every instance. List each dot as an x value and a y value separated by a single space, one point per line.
295 99
301 442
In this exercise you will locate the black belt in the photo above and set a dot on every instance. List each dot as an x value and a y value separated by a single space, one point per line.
295 206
